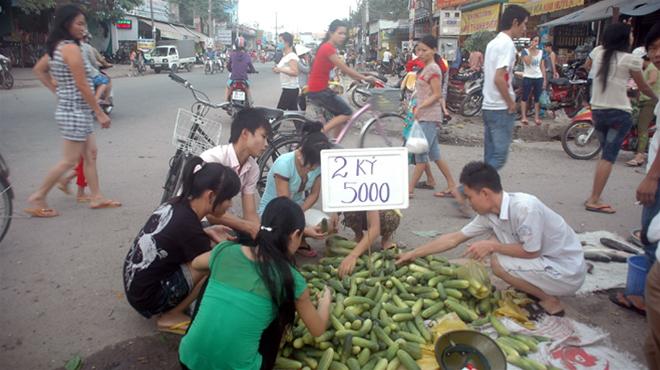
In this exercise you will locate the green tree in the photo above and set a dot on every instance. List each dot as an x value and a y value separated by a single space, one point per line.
479 40
100 10
380 10
201 8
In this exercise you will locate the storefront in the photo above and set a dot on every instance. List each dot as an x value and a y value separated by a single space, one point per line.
482 16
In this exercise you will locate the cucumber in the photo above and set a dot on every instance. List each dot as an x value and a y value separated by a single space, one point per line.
499 327
456 284
326 359
509 351
407 360
309 361
394 364
441 291
432 310
336 324
454 293
480 322
364 343
399 285
413 349
417 268
530 342
355 300
324 225
402 317
521 347
347 348
392 309
391 351
353 364
445 270
381 364
336 365
286 363
417 307
419 323
412 337
363 357
382 336
462 311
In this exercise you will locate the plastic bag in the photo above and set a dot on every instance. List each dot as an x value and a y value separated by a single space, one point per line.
417 143
544 100
477 275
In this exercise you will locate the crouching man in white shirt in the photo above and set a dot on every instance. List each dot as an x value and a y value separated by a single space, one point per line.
530 246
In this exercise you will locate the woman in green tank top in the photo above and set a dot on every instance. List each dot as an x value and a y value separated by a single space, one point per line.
252 297
646 107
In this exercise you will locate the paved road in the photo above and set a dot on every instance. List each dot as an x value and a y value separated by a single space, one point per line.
60 279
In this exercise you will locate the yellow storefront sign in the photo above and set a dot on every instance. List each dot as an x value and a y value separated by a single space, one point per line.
549 6
482 19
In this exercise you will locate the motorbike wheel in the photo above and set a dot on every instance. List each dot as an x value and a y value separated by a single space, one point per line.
7 80
157 70
5 207
207 70
471 105
360 95
188 67
579 140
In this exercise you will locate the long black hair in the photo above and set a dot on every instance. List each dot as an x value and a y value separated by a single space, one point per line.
280 219
432 43
616 38
64 16
222 180
312 143
334 25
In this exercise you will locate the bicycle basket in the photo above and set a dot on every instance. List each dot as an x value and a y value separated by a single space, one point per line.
194 134
385 100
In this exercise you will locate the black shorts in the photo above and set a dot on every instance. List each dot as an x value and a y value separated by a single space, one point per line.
288 99
329 100
173 289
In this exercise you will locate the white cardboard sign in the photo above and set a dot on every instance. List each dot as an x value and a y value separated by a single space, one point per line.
364 179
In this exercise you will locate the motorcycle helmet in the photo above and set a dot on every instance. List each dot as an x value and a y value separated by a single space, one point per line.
239 43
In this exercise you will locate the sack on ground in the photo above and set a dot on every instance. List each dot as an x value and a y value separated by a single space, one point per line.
477 275
417 143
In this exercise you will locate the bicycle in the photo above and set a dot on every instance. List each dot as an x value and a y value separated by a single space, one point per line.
6 197
383 129
191 139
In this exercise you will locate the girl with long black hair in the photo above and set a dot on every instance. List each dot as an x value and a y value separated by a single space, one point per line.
63 71
612 112
158 278
248 290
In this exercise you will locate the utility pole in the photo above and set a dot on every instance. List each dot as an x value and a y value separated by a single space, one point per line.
153 27
366 20
210 18
275 28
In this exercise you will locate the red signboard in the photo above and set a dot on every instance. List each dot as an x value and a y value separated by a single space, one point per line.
124 24
441 4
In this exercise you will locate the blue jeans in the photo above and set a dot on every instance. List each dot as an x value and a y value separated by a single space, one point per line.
648 212
431 133
612 126
498 132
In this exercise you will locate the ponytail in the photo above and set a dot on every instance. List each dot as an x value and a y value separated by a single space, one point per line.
313 142
616 38
333 28
199 176
281 218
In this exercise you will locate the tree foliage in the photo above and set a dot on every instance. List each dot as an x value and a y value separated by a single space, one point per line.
380 10
479 40
201 8
101 10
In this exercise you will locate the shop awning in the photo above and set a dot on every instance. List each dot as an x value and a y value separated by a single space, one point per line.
603 10
169 31
200 36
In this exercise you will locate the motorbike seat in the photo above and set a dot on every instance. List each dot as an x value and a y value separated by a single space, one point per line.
378 76
559 81
578 82
272 114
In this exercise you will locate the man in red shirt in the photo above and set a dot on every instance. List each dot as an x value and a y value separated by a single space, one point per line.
317 85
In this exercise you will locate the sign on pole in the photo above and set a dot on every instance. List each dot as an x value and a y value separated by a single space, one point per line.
364 179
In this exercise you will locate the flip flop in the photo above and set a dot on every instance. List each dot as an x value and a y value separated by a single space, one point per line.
180 328
444 194
538 122
108 203
41 212
424 185
634 163
602 208
64 188
83 199
525 123
614 298
635 238
536 311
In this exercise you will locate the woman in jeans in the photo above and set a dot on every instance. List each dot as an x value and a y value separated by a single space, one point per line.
533 79
612 112
429 114
77 108
646 106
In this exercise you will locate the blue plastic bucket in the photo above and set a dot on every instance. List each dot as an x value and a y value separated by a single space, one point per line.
638 268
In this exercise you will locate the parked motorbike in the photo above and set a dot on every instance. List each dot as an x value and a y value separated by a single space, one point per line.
580 141
6 78
360 90
456 89
471 105
208 66
568 95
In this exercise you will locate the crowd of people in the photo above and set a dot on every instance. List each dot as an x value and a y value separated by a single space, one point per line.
229 282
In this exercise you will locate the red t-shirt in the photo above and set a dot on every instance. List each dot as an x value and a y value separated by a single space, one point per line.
320 73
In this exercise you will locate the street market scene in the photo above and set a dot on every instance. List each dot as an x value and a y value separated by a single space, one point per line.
355 184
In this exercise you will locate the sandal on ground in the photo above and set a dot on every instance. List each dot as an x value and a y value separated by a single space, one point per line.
619 298
444 194
536 311
41 212
636 238
180 328
424 185
538 122
601 208
634 163
84 199
108 203
524 122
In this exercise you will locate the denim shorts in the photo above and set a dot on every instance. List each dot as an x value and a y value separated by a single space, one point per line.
329 100
612 126
529 85
173 289
101 79
431 132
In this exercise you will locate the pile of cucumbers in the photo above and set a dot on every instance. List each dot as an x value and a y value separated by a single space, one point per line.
377 319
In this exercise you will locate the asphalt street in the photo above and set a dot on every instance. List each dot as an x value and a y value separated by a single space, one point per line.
61 290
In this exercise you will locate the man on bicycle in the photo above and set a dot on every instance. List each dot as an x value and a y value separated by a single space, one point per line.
247 141
326 59
240 64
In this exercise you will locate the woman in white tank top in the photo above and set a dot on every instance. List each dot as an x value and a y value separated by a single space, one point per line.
533 79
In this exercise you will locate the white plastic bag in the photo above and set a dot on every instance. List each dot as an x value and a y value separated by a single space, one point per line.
417 143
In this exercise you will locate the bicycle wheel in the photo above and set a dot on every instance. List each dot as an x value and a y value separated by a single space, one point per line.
383 131
5 207
281 146
288 125
174 178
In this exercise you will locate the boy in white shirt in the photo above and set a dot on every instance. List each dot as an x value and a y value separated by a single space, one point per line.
499 105
531 247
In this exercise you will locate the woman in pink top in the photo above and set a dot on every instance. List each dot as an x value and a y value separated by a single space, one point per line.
429 114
